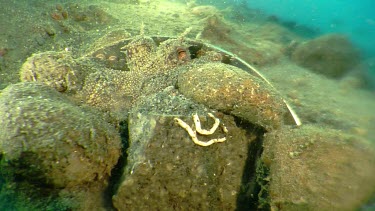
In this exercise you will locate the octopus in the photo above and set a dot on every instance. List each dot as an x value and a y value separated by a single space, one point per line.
122 81
120 71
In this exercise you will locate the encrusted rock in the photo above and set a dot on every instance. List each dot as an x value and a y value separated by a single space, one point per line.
331 55
167 171
316 169
255 50
49 142
55 69
235 91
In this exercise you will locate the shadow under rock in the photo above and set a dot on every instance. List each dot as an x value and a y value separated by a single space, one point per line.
253 193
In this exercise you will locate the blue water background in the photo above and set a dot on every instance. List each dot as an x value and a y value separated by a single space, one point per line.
353 18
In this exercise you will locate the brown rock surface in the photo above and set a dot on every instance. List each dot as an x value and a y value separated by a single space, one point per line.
316 169
167 171
235 91
55 69
48 144
257 49
332 55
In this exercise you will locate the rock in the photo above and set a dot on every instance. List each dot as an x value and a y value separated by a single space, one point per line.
318 169
256 49
331 55
233 91
203 11
50 144
217 29
166 170
55 69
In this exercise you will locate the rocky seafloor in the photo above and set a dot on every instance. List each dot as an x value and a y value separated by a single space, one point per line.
101 105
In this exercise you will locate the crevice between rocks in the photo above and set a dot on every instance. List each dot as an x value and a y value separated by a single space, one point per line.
253 194
118 170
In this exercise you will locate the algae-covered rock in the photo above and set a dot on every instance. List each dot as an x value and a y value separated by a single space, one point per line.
55 69
331 55
257 49
49 142
235 91
167 171
316 169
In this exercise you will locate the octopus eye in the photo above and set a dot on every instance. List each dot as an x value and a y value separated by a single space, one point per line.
128 53
182 55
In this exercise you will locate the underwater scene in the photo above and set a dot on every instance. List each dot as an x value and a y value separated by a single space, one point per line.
187 105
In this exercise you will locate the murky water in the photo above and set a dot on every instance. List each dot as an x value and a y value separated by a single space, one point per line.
97 98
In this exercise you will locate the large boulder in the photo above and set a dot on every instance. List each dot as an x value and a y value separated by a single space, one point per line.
166 170
316 169
55 69
232 90
47 142
331 55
